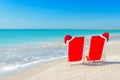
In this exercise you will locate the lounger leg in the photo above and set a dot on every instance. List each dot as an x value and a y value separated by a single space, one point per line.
84 60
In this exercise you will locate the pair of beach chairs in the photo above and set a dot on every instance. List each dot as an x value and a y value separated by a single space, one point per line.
95 52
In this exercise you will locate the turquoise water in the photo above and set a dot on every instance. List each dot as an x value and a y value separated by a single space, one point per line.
23 48
29 36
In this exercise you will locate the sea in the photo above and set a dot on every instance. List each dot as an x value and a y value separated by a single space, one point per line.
21 49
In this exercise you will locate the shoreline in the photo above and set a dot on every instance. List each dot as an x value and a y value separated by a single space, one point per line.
37 69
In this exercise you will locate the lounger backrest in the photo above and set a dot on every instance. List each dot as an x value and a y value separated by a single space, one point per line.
96 47
75 49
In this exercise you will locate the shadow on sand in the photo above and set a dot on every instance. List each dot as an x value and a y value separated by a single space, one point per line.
100 63
96 63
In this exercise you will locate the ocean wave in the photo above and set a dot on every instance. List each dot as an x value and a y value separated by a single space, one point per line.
19 56
7 70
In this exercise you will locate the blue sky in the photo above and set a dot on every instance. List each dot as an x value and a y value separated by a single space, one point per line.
59 14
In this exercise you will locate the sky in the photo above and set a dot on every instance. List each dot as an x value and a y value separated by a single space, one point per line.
59 14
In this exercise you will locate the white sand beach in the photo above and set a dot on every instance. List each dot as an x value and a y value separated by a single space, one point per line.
62 70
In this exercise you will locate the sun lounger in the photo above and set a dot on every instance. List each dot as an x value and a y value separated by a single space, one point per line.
75 48
97 44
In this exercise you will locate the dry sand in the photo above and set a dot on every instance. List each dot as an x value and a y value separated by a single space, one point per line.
62 70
